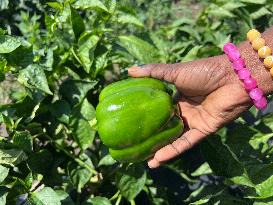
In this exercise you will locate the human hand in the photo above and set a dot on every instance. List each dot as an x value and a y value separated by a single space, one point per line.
211 95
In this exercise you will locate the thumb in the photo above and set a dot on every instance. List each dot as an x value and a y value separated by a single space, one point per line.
167 72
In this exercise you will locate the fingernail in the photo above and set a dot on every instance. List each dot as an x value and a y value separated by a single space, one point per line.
133 69
153 164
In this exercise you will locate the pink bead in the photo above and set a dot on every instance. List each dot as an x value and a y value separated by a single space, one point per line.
256 94
234 55
244 74
261 104
228 47
238 64
250 83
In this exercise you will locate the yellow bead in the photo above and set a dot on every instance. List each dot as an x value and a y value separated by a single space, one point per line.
264 52
271 71
268 62
253 34
258 43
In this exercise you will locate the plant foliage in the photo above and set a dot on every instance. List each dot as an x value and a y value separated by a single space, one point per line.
56 57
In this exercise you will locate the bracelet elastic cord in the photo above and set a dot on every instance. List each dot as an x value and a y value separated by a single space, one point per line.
250 84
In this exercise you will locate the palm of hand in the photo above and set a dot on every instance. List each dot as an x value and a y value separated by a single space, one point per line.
210 96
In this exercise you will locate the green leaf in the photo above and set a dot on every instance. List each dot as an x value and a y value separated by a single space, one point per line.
254 1
29 180
260 12
259 172
201 201
22 56
61 110
8 44
238 139
220 12
12 157
232 5
220 158
268 201
112 4
77 23
3 68
4 4
204 193
101 62
268 120
50 23
42 157
191 31
46 196
192 54
140 49
49 60
81 122
55 5
79 176
2 32
23 140
242 180
260 142
75 91
131 181
3 195
107 160
64 15
220 39
4 171
216 194
64 197
85 111
124 18
83 133
90 4
98 200
34 77
224 162
87 45
265 189
203 169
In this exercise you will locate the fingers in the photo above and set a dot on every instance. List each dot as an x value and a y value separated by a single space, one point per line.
185 142
167 72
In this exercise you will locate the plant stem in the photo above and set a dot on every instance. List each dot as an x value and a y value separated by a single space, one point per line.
119 200
79 161
115 196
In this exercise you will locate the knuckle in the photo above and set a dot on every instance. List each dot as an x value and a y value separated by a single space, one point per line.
175 147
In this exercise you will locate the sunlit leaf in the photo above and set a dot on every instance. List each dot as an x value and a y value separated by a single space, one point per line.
8 44
34 77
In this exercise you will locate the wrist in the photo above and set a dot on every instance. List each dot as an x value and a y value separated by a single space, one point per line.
256 67
253 63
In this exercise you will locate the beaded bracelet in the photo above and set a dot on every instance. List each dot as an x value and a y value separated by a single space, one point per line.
258 44
250 84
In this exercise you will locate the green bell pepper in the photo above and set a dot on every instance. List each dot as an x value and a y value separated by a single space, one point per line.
136 117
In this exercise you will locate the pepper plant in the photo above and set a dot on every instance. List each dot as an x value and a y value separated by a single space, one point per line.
57 56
